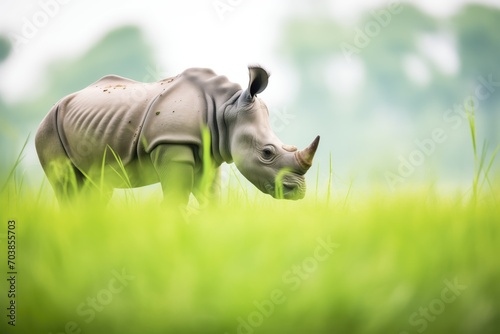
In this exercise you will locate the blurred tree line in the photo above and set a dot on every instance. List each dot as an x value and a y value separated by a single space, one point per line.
311 41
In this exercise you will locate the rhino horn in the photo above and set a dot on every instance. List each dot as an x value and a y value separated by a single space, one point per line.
305 157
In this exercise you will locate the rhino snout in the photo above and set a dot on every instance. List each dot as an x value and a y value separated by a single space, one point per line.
293 187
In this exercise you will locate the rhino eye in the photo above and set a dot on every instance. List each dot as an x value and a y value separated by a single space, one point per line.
267 153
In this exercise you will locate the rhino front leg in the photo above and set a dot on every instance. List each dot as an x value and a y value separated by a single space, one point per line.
174 165
208 194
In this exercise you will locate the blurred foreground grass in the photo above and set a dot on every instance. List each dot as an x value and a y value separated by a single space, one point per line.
383 263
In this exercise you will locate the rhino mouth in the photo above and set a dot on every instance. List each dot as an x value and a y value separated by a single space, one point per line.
290 190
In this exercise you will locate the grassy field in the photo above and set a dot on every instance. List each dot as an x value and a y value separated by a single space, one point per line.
407 262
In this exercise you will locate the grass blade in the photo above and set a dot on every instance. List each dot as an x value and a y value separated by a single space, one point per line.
330 176
20 157
488 168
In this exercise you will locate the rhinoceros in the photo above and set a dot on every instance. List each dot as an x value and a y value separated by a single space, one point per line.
137 134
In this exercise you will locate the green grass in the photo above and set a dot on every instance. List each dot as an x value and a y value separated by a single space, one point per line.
353 262
200 274
203 273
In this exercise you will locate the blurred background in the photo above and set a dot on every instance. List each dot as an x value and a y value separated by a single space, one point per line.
385 84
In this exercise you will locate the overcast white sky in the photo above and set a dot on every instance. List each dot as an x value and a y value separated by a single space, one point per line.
183 33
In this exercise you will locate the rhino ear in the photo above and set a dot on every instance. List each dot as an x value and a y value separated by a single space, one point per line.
259 78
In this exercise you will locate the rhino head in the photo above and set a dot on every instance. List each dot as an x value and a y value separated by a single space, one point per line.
257 152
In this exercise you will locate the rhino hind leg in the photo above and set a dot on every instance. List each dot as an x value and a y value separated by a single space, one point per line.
66 180
64 177
174 165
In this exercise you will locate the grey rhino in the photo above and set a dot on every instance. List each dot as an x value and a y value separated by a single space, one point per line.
138 134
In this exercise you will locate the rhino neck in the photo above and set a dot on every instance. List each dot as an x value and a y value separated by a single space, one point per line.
220 129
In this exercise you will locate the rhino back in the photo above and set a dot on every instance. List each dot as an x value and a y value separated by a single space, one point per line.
110 112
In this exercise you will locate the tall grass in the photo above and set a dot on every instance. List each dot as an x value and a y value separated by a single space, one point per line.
217 269
12 171
209 172
482 167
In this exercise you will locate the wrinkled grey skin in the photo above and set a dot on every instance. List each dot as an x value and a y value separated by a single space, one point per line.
155 131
